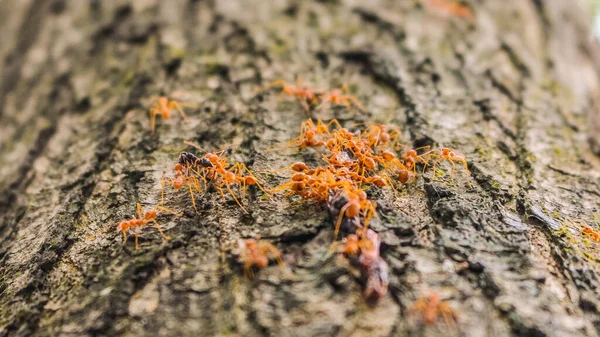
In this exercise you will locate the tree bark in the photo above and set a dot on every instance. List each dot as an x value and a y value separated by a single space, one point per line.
513 90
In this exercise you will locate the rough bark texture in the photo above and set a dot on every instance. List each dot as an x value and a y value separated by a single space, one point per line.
512 91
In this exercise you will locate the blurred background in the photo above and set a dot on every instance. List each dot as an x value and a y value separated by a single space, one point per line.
593 8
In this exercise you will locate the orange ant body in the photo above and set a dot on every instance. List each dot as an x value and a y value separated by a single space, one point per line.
452 7
163 108
431 307
304 94
143 219
254 253
591 233
339 97
445 153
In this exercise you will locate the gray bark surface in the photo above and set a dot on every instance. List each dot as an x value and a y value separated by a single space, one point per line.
512 91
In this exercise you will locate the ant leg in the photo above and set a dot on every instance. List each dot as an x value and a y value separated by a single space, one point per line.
453 169
124 238
137 246
334 122
465 164
140 210
193 201
275 253
278 83
166 237
174 105
338 223
448 316
305 106
234 198
168 210
162 198
243 167
153 113
91 237
321 105
355 101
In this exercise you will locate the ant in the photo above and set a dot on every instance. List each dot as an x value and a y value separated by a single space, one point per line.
143 219
223 176
431 307
452 7
305 95
377 135
356 202
411 158
183 179
163 108
366 243
339 97
591 233
445 153
246 180
253 252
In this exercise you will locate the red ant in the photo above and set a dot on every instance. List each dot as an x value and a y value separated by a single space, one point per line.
304 94
591 233
378 135
445 153
253 252
163 108
183 179
339 97
452 7
225 177
366 244
431 307
356 203
143 219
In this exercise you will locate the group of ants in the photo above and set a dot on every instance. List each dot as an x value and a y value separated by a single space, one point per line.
353 162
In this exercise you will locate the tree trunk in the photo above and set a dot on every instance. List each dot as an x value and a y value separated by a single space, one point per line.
512 89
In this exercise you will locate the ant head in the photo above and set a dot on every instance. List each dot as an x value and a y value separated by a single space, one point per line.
411 153
122 226
250 243
212 157
151 214
362 195
331 144
178 167
310 133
